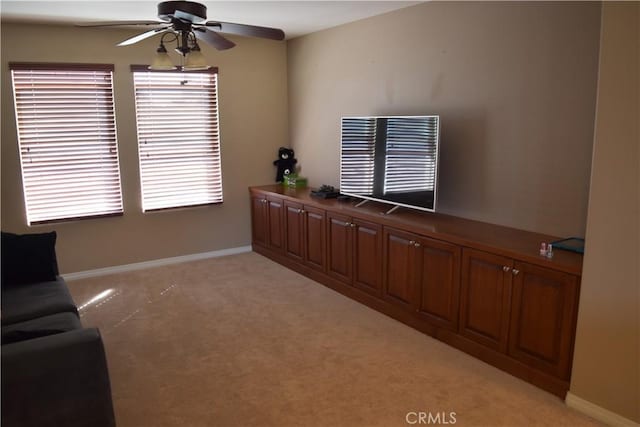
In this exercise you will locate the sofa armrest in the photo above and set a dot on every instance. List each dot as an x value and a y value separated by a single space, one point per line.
59 379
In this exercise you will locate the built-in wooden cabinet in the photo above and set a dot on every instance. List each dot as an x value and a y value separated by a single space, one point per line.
354 252
367 256
275 214
304 228
339 247
259 220
485 300
544 305
520 309
399 268
438 282
294 230
315 221
479 287
268 222
422 275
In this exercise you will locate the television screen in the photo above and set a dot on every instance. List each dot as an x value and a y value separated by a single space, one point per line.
391 159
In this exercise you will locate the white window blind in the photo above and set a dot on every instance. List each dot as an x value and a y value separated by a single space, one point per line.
67 140
178 138
358 155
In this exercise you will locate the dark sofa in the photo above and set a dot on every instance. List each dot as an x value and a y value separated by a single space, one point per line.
54 371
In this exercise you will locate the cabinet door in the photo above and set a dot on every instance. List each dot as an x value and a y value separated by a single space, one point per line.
399 267
339 251
543 316
485 298
259 221
275 217
438 283
367 256
314 238
294 230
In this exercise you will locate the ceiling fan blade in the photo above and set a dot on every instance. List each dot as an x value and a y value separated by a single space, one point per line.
247 30
142 36
213 38
186 16
116 23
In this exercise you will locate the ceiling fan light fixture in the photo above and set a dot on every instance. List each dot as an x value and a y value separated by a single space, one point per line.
161 60
195 60
180 18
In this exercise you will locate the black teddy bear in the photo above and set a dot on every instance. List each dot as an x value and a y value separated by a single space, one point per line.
286 163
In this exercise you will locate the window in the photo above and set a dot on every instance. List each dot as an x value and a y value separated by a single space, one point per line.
67 140
178 138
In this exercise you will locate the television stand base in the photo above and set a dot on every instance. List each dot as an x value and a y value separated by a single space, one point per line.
391 210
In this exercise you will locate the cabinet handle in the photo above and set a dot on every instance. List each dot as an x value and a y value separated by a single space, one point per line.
346 224
416 244
412 242
352 225
515 272
302 211
505 269
264 200
299 210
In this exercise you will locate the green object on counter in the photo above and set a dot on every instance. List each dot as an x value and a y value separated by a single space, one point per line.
294 181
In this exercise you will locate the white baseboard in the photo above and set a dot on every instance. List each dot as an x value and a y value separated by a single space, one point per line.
154 263
598 412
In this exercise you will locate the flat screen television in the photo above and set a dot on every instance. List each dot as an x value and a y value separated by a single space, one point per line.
391 159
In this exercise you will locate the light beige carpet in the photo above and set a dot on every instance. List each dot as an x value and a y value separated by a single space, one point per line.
242 341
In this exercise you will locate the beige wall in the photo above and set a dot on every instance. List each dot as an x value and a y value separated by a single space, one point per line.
253 123
606 367
514 84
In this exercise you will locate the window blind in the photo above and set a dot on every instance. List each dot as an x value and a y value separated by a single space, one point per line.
358 155
178 138
67 140
411 153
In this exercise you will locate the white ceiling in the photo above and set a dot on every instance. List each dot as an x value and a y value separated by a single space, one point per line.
295 18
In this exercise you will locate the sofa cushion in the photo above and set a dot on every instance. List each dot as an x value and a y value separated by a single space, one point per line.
28 301
57 380
28 258
40 327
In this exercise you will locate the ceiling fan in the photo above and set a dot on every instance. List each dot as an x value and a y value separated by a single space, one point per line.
187 20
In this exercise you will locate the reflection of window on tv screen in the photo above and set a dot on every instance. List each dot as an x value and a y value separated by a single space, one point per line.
392 159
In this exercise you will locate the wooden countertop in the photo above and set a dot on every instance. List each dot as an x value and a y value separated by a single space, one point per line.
518 244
